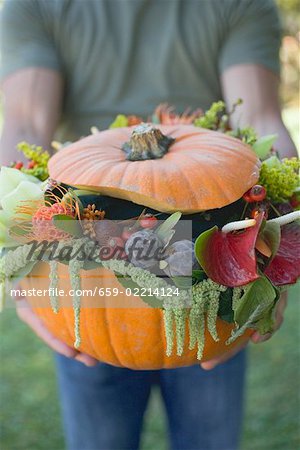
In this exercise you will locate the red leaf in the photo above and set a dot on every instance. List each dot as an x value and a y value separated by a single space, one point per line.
229 258
285 267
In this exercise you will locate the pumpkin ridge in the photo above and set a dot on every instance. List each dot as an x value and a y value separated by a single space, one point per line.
105 323
163 339
107 314
105 276
188 182
70 327
130 350
225 192
90 338
185 136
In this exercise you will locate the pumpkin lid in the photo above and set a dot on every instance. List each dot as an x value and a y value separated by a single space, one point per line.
167 168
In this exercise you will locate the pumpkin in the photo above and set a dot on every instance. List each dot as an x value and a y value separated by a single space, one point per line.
131 334
200 170
168 168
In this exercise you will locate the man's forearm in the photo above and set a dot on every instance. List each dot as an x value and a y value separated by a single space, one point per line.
32 109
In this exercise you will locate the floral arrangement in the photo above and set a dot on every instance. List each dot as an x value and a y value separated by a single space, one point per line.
235 271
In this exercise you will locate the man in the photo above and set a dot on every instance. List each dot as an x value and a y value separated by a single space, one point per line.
70 64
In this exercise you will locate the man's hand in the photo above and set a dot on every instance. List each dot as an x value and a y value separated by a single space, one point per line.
27 315
256 337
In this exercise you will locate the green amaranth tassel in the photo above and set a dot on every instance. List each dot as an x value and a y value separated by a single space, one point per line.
206 295
74 270
201 337
237 293
15 260
212 314
180 315
53 286
169 331
197 323
212 306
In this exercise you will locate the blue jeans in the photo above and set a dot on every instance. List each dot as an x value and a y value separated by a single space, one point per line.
103 406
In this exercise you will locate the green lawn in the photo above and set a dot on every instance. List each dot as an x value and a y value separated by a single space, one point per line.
29 406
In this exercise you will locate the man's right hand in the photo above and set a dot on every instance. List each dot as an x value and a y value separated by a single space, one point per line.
27 315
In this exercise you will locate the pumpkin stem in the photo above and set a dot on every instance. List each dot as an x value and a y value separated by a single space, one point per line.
147 142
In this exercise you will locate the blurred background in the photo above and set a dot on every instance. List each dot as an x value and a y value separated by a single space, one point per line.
29 410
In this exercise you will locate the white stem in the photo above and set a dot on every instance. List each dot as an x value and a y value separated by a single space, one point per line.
287 218
238 225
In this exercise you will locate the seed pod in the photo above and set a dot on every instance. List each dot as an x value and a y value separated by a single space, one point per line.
143 248
180 259
106 229
113 249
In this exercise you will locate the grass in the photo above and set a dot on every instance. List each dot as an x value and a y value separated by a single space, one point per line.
30 417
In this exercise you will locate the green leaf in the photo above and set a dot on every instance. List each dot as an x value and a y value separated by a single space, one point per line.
225 311
266 323
20 230
155 119
91 265
256 309
271 233
68 224
201 242
83 192
120 121
150 300
263 145
198 275
183 282
22 273
255 304
166 228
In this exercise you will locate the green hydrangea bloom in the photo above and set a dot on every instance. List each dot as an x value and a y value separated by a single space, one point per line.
247 135
211 117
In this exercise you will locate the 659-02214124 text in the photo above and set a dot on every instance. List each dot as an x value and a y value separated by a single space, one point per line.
97 291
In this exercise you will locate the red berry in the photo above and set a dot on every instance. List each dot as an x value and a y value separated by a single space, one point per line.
256 194
295 201
254 213
31 165
18 165
148 221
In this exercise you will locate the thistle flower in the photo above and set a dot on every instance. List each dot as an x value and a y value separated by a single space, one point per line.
165 115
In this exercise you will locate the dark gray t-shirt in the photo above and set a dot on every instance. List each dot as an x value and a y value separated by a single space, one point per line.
127 56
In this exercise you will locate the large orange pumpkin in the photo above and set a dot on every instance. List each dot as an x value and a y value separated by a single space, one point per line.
131 335
199 170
